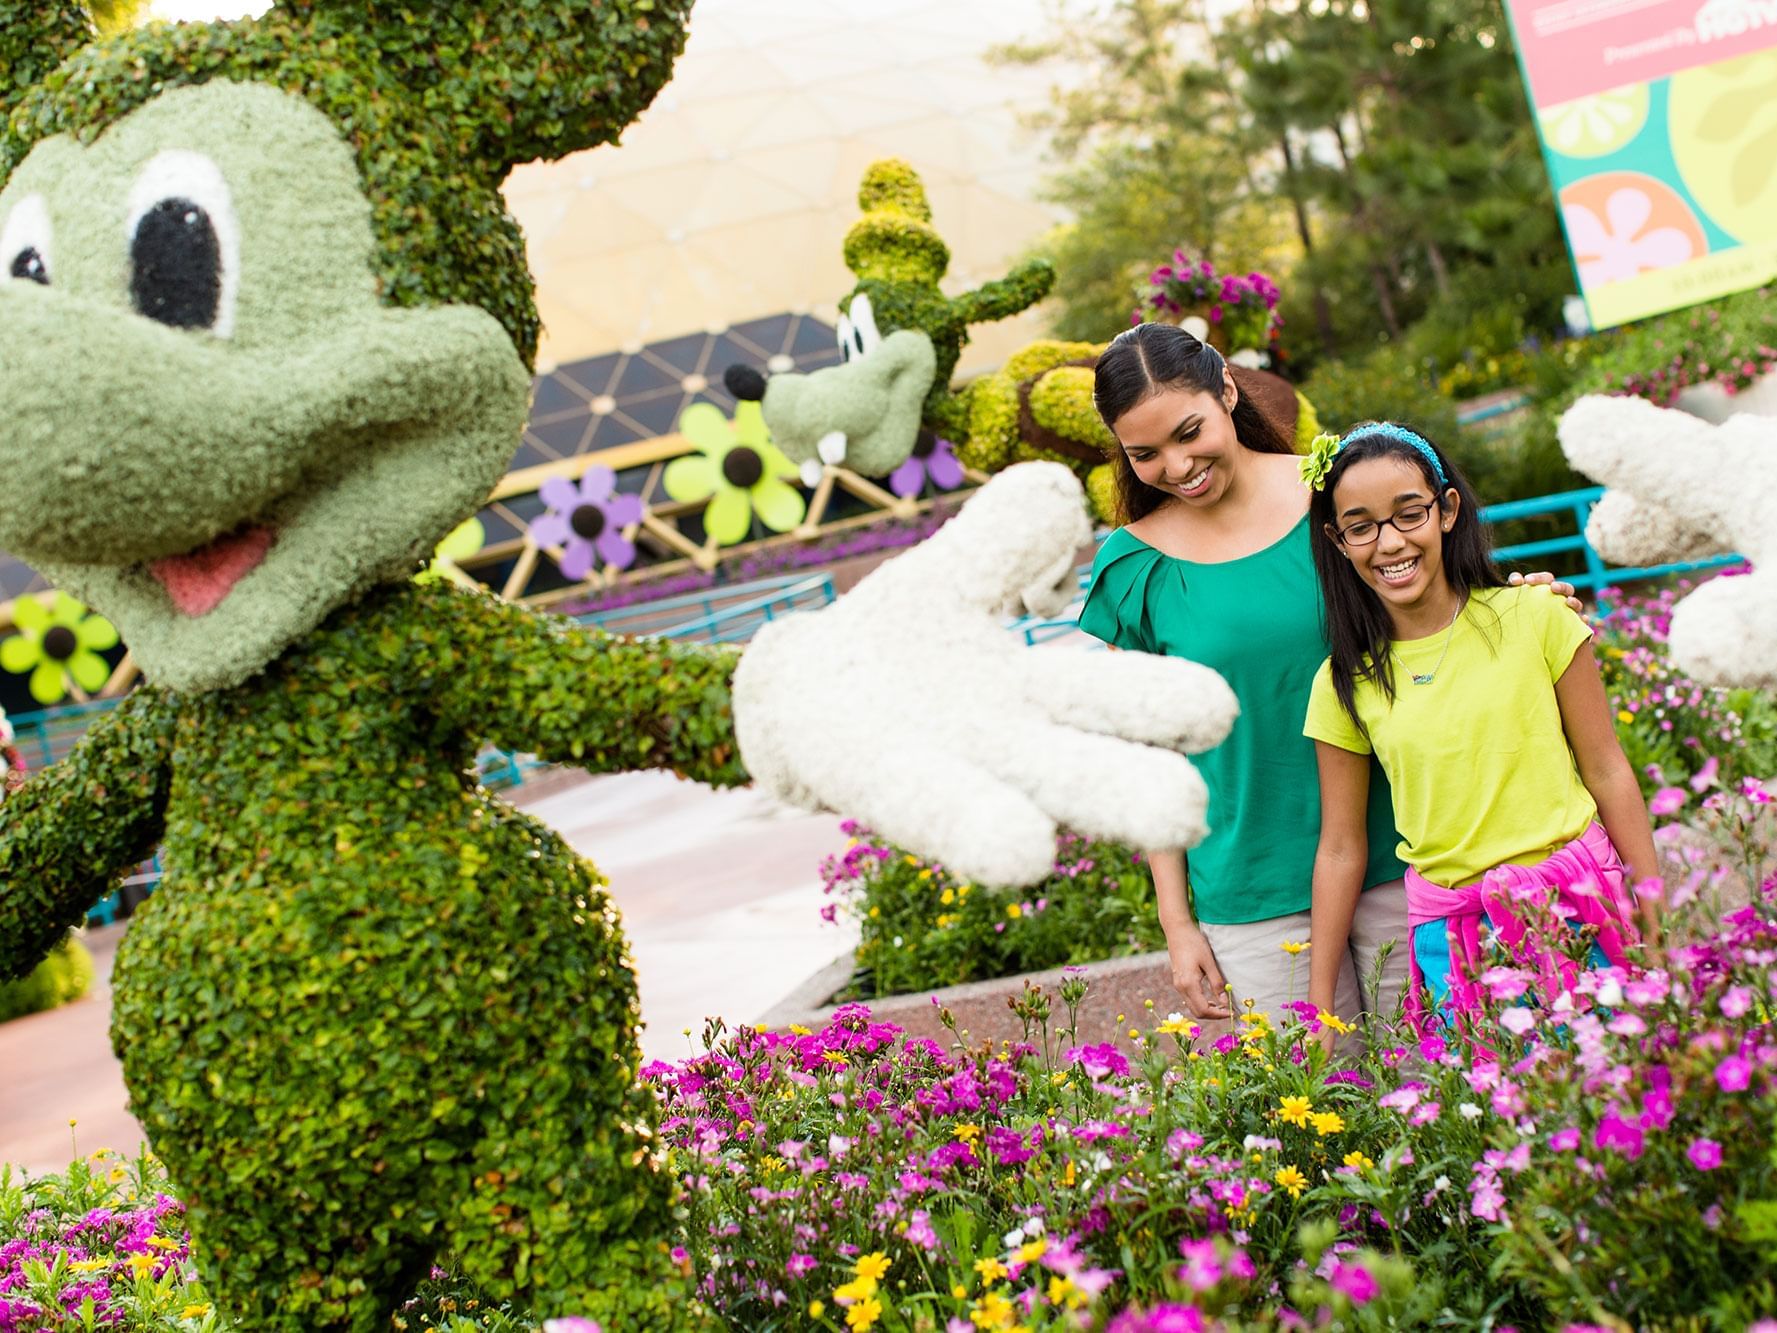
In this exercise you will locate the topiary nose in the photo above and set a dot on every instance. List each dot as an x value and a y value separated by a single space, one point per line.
743 467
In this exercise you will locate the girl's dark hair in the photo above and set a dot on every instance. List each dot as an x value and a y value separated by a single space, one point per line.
1149 359
1357 623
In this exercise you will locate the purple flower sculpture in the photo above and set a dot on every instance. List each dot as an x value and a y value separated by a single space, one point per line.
931 457
586 521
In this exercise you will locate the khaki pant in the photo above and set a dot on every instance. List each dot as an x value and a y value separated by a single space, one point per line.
1255 964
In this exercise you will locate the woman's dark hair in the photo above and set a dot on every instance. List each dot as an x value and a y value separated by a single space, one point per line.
1357 623
1152 358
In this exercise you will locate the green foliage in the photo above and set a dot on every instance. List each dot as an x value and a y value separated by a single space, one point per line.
923 928
65 975
1385 385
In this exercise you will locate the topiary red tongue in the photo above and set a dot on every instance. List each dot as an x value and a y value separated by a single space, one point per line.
198 580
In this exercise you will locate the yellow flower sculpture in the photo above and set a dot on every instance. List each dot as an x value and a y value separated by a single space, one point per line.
58 645
739 469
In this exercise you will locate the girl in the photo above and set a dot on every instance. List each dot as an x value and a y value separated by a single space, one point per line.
1483 704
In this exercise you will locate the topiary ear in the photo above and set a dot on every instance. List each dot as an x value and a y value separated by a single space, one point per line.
517 80
35 37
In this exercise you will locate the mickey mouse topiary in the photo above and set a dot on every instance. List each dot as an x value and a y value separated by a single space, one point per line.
268 327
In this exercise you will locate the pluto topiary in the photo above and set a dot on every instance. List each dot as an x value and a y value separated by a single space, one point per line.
267 328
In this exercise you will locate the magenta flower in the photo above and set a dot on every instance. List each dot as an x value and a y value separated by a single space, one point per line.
1734 1073
1705 1154
1736 1001
587 521
1668 800
1565 1140
1100 1060
1619 1136
1174 1319
572 1324
1705 777
1355 1281
932 456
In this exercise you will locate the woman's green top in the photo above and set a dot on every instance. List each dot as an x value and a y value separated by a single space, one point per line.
1257 621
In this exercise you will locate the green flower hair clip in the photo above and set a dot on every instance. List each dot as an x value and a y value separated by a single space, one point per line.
1318 461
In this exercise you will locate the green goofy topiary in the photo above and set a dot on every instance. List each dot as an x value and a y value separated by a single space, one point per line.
268 329
900 338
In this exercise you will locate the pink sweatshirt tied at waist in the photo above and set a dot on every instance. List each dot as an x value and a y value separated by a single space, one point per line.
1586 877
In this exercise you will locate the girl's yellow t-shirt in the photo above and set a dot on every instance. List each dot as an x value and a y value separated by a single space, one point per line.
1478 760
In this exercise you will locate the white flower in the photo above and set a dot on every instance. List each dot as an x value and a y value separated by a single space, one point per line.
1563 1003
1441 1184
1610 993
1469 1111
1013 1238
838 1146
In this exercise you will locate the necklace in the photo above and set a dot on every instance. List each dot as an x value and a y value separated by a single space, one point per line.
1429 676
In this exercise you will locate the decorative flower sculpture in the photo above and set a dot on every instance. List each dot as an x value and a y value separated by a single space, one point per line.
464 540
58 645
1318 461
739 469
933 457
587 521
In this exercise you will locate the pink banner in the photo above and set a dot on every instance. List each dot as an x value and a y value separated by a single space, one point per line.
1574 48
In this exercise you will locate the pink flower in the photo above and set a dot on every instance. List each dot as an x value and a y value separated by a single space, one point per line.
1517 1020
1355 1281
1704 777
1667 801
1705 1154
571 1324
1565 1140
1736 1001
1734 1073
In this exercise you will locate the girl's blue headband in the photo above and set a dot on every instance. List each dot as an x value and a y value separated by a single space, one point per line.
1318 462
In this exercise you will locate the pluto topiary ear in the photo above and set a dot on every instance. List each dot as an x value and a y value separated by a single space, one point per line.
517 80
35 37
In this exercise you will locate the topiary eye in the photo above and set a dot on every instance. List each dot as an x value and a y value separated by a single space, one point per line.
28 264
176 265
24 241
184 244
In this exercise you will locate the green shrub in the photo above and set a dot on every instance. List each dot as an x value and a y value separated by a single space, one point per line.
924 928
65 975
1386 385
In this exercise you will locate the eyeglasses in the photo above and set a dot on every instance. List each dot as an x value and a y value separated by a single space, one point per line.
1365 531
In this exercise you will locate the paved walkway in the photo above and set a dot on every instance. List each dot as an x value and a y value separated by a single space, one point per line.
719 891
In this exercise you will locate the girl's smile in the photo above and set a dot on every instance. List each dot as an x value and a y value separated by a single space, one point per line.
1182 443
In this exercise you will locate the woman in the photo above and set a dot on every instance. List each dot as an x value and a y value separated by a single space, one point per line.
1215 565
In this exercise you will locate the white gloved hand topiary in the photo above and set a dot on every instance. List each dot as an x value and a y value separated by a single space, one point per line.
1682 489
908 706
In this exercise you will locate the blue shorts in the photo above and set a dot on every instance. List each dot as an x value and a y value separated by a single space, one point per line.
1431 946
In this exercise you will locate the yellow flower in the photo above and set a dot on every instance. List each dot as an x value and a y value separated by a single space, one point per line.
797 1030
1624 715
1361 1162
1295 1110
89 1265
194 1312
816 1309
162 1243
1291 1179
858 1289
58 645
992 1311
833 1057
1014 911
875 912
1327 1122
1060 1288
864 1313
966 1133
1032 1250
910 860
924 874
1293 947
141 1265
1067 1176
1333 1021
990 1269
872 1266
959 1292
947 897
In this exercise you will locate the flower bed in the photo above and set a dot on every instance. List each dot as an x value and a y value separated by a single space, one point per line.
1603 1160
923 928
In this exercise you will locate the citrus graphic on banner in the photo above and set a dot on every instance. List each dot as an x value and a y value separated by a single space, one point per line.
1658 121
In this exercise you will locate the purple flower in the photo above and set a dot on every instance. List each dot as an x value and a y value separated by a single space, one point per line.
932 456
1705 1154
1099 1061
587 520
1734 1073
1355 1281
